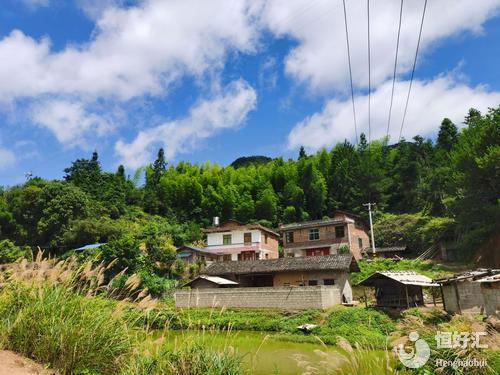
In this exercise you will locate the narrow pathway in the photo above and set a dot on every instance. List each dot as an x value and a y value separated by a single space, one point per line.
13 364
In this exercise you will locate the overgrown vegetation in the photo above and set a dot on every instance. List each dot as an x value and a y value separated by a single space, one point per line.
426 267
425 192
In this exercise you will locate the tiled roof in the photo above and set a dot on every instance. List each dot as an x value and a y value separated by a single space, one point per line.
403 277
341 262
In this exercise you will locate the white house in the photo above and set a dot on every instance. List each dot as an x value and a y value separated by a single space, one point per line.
237 241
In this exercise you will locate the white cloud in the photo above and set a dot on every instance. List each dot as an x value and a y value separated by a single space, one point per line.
226 109
69 121
7 158
320 58
430 102
134 51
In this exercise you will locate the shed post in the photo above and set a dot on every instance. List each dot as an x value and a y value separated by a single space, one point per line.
407 299
457 296
442 296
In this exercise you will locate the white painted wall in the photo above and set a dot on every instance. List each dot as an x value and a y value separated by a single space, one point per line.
216 239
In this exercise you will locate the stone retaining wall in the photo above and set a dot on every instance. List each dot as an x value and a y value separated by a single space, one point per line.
293 298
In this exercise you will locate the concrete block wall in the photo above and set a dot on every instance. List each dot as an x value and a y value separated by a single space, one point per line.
470 298
491 300
288 298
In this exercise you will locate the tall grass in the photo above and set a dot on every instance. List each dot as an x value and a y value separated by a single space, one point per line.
69 332
60 314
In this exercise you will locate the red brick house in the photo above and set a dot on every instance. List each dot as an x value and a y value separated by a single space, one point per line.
326 237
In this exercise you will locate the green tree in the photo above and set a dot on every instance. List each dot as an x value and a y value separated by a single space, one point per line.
447 136
266 206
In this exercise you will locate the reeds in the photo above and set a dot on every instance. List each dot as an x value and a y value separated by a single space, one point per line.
66 316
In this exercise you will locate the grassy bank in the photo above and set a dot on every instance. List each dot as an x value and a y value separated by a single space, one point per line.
62 318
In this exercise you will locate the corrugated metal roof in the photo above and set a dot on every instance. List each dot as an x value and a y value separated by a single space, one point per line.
214 279
489 279
403 277
92 246
343 262
473 275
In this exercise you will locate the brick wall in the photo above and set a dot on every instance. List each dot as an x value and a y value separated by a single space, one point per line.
358 232
288 298
271 245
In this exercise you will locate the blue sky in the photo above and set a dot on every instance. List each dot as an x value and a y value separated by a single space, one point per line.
212 81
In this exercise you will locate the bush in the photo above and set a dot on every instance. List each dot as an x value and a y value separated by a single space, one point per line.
10 253
357 325
190 359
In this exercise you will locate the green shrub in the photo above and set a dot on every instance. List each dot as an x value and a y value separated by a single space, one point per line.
10 253
190 359
357 325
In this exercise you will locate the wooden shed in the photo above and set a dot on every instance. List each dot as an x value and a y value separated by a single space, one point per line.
399 289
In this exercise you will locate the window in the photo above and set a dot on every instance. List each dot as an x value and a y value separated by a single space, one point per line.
340 231
289 237
313 282
267 256
265 238
226 239
360 242
226 258
329 282
247 238
313 234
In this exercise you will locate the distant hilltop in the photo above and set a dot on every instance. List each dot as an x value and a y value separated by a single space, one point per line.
247 160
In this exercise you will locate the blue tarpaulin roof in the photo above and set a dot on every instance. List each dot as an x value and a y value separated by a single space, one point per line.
92 246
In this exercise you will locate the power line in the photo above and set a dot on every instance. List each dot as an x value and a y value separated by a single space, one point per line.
350 73
369 77
413 71
394 74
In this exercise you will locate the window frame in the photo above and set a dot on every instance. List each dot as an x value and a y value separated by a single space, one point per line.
328 281
226 236
314 234
338 228
289 237
246 235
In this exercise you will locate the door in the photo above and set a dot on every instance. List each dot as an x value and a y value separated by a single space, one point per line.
247 238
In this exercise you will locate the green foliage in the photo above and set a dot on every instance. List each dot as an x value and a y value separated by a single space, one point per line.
372 326
245 161
417 231
10 253
120 254
425 267
192 358
446 189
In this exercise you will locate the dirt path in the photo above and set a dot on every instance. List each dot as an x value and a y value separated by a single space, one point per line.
13 364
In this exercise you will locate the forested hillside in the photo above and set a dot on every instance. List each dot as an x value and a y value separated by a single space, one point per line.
423 189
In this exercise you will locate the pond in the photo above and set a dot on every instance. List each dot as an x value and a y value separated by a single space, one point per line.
266 353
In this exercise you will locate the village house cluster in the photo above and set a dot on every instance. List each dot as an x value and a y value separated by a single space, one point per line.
242 267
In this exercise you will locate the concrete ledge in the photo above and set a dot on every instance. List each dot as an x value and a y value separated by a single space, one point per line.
293 298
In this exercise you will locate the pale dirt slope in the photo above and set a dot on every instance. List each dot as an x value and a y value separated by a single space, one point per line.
13 364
